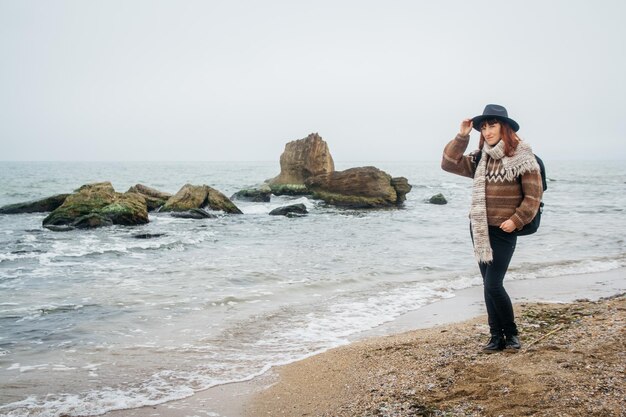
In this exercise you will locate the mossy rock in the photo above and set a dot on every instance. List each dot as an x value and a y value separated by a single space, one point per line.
291 210
199 196
351 201
36 206
402 187
187 198
290 189
260 194
91 221
218 201
99 199
154 198
438 199
196 214
128 209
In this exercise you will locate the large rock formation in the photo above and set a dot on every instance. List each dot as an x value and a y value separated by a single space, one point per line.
95 205
36 206
199 196
154 198
302 159
364 187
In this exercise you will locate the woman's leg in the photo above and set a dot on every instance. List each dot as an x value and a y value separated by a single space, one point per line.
495 327
497 301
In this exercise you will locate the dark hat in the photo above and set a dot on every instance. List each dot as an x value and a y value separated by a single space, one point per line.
494 111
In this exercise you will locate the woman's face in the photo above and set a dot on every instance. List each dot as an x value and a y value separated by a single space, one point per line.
491 133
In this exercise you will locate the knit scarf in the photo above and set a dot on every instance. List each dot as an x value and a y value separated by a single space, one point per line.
522 161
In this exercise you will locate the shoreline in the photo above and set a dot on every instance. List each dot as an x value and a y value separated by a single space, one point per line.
236 399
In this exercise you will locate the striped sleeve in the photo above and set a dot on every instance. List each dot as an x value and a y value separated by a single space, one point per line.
533 191
453 159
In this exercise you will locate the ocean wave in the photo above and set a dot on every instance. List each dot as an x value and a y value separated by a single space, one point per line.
162 387
566 267
226 301
87 250
26 251
156 391
15 312
19 255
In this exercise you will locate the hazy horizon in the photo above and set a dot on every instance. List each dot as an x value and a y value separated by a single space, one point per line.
155 80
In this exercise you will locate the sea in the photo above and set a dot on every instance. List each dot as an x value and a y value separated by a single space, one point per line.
100 320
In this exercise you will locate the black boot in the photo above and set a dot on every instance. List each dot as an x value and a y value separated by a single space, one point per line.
512 344
496 344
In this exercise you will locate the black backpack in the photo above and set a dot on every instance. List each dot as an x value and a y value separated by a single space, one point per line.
531 227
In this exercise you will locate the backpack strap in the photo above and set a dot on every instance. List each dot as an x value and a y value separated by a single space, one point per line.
542 168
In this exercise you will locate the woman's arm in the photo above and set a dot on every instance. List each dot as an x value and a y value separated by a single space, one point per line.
533 191
453 159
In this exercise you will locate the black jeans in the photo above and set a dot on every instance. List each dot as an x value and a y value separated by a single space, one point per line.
499 306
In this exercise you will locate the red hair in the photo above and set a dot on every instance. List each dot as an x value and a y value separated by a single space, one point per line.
509 137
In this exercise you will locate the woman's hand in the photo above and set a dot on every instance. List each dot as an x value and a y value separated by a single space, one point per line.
508 226
466 127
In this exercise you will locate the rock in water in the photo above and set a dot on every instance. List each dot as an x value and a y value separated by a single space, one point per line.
297 209
218 201
154 198
302 159
148 235
188 197
129 209
193 214
261 194
36 206
199 196
62 228
402 187
290 189
363 187
91 221
438 199
99 199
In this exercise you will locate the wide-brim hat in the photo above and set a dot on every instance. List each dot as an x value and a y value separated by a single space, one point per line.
494 111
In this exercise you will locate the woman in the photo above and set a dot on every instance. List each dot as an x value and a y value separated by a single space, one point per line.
506 194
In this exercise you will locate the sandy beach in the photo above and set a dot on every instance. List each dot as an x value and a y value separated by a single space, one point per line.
428 363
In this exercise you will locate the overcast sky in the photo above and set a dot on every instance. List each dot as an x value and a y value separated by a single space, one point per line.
236 80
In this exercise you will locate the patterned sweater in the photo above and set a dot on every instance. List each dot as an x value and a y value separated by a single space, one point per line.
515 200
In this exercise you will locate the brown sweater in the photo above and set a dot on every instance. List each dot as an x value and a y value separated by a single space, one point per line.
516 200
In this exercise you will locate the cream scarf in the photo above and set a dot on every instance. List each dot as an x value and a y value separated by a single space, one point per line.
522 161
